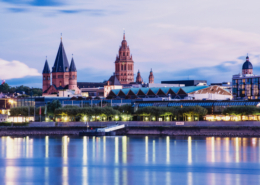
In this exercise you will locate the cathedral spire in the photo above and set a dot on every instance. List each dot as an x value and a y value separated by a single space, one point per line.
72 65
46 69
61 63
124 35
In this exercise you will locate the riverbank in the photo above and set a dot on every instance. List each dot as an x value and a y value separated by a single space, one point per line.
179 130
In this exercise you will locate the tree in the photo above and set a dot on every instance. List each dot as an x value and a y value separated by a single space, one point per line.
52 106
241 111
4 88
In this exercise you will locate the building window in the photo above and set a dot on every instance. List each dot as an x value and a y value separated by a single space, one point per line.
123 53
60 76
43 78
122 67
67 76
73 76
48 78
60 83
54 76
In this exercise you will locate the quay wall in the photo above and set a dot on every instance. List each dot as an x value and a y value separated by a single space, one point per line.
198 128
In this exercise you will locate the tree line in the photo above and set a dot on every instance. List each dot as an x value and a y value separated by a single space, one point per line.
241 111
124 112
5 88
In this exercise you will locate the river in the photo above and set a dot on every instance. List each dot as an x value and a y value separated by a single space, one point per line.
134 160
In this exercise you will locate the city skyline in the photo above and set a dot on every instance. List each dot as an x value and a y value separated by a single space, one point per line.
177 41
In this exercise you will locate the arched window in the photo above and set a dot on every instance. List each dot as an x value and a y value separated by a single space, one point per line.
60 83
124 54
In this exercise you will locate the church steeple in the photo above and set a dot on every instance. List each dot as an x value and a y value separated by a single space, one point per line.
46 69
46 73
138 77
72 65
61 62
151 77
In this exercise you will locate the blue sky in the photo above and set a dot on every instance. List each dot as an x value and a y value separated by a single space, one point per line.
200 39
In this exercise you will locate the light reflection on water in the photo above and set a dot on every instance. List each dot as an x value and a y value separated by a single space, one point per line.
129 160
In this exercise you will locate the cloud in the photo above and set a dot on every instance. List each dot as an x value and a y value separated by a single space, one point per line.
15 69
92 12
31 81
18 10
35 2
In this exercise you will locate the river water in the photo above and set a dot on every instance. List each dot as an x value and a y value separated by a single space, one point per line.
134 160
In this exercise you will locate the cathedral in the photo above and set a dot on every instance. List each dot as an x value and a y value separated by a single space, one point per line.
63 75
124 66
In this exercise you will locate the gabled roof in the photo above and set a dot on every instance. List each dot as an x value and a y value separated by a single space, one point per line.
61 62
135 90
46 69
121 93
190 89
116 91
113 80
131 93
72 66
125 91
145 90
175 89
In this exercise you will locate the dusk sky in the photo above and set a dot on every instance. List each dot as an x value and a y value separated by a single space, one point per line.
202 40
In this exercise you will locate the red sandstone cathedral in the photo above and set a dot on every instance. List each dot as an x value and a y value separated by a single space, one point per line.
64 76
124 66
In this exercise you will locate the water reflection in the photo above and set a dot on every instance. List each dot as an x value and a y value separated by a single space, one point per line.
153 151
65 141
116 150
189 150
85 152
46 146
124 148
146 149
104 149
167 149
118 160
190 181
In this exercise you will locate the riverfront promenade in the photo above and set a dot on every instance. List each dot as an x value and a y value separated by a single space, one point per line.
198 128
151 124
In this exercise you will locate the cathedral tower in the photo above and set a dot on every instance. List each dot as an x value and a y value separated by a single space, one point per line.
151 77
124 64
46 73
60 69
139 78
73 75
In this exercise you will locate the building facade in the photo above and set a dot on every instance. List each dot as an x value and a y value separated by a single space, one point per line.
64 76
124 64
246 85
